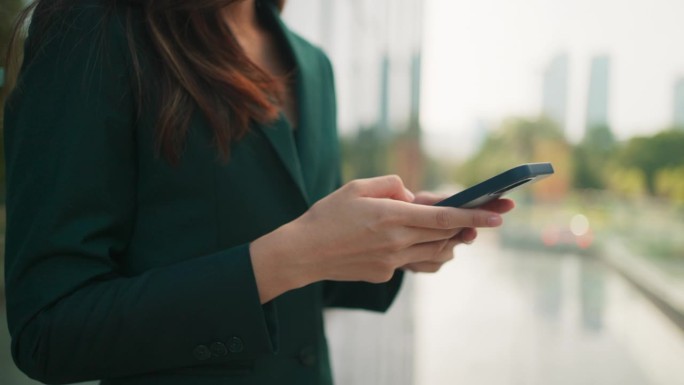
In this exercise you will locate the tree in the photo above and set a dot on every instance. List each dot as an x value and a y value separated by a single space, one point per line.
653 154
669 183
365 154
522 140
591 157
514 142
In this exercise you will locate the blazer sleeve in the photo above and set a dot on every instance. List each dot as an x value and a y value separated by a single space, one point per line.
71 179
362 295
358 295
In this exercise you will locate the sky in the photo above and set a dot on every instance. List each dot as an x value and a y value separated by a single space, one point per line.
484 60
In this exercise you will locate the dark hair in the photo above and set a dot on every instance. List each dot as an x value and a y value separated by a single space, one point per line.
198 65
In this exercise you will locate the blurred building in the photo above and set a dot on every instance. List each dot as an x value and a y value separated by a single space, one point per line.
555 90
375 47
678 120
598 98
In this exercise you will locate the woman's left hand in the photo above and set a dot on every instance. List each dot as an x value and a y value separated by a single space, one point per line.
466 236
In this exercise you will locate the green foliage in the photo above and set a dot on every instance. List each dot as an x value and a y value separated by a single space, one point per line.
669 183
642 167
652 154
600 139
628 182
591 156
516 141
588 171
437 172
365 154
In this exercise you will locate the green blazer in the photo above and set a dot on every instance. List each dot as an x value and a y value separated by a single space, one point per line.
123 268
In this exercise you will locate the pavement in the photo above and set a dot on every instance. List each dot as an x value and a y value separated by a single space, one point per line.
664 289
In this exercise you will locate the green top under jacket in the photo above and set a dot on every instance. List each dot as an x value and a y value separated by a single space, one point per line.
122 268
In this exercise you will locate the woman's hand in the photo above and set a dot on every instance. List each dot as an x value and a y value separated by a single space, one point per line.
364 231
466 236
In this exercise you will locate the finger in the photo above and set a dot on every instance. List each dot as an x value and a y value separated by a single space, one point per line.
418 235
437 217
433 252
467 235
500 206
424 267
388 186
445 254
429 198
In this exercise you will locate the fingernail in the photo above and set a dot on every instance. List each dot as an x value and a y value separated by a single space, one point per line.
494 221
470 242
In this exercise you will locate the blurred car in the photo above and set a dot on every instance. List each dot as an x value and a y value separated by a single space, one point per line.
562 233
575 232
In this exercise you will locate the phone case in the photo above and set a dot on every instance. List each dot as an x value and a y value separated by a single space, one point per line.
498 185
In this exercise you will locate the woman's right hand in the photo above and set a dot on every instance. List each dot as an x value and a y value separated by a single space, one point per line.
364 231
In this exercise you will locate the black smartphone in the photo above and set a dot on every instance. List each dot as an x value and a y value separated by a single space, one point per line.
496 186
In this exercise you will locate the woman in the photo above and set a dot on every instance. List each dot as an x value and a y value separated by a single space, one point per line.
172 212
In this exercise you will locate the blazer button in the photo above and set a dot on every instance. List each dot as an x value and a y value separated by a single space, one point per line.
235 345
307 356
218 349
201 353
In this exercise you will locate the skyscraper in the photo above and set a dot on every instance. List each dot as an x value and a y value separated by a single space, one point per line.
375 48
678 120
555 90
598 98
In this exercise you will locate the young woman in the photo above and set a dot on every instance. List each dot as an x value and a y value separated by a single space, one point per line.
174 209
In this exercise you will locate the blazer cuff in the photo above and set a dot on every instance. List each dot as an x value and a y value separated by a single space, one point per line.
362 295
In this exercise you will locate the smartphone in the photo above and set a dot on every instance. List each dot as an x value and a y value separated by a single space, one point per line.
496 186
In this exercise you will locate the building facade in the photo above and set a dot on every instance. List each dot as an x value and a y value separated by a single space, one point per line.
555 90
598 98
375 48
678 107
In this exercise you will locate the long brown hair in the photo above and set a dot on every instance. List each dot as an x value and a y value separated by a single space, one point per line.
198 65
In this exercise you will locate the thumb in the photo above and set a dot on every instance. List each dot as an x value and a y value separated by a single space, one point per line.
388 186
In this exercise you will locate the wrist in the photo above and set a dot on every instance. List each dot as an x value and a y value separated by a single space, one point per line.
279 263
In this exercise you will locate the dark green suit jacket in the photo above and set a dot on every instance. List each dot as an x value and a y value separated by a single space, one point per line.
123 268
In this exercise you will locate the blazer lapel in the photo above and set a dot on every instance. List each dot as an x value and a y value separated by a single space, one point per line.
279 134
306 136
293 151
